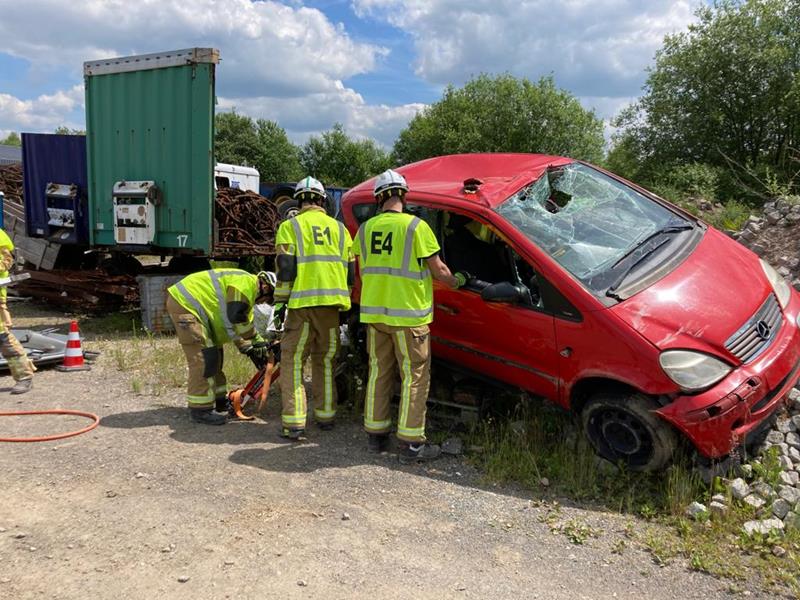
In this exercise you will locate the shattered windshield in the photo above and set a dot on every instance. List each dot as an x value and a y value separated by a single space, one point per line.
585 220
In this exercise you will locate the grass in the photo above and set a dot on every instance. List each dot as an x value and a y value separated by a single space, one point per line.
541 442
156 364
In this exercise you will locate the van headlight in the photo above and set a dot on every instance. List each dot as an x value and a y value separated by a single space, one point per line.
778 283
692 371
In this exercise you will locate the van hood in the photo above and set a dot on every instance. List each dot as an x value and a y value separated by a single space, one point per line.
702 302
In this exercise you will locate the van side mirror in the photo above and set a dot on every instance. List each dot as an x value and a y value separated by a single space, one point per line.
505 292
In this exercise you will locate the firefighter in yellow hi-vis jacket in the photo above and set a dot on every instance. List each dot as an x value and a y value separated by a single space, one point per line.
210 308
18 362
398 253
315 271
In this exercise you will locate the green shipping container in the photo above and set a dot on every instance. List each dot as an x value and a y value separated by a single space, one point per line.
150 151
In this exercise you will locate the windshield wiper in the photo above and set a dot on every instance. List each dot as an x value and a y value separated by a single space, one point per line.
611 291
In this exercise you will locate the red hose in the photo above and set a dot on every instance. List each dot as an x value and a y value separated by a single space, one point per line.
58 436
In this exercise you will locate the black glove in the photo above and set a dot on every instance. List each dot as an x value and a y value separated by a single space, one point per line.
258 353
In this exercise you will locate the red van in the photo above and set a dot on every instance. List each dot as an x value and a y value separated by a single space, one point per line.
599 296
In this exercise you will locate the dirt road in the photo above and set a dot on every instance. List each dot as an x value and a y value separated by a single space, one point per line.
149 505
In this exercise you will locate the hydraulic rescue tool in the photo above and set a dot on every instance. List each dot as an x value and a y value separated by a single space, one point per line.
257 388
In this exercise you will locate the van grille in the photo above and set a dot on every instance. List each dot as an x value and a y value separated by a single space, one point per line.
755 336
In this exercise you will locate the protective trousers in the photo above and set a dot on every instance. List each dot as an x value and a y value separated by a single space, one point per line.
19 364
5 316
409 349
308 332
206 379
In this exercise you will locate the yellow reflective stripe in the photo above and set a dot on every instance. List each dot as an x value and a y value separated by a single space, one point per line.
369 412
395 312
418 432
319 292
297 373
328 366
201 312
377 426
405 397
324 414
293 420
407 274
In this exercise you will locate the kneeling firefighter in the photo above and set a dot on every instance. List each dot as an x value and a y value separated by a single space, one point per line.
315 273
208 309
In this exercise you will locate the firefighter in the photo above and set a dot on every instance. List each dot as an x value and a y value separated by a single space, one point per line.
398 254
315 272
19 364
208 309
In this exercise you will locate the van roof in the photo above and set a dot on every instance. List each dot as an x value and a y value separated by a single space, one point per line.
226 168
501 175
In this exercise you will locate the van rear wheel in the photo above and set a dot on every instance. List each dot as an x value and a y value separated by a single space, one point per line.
625 428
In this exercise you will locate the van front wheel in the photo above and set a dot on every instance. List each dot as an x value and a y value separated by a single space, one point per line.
625 428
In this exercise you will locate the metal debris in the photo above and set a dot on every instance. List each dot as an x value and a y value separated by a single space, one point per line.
246 222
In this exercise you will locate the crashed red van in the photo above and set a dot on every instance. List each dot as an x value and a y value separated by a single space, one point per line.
593 293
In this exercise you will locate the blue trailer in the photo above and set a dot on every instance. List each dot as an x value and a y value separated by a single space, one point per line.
55 186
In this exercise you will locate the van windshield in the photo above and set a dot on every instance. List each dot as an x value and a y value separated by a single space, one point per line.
588 222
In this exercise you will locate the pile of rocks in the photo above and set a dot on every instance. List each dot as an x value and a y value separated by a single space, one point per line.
770 484
776 236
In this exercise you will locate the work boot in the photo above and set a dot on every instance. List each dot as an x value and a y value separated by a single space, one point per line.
325 425
22 386
206 416
296 435
377 443
222 405
419 452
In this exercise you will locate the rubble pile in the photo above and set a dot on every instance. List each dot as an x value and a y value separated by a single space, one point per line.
770 484
11 183
775 236
81 290
246 222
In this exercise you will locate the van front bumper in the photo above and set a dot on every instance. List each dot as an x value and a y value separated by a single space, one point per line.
733 411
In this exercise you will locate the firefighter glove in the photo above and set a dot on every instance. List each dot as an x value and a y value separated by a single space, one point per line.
278 314
461 278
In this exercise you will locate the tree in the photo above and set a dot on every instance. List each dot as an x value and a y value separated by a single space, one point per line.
503 114
262 144
12 139
278 158
726 92
338 160
64 130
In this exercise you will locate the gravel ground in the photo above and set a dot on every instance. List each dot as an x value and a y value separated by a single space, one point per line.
149 505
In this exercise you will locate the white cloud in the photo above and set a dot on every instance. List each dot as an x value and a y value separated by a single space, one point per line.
593 47
311 114
267 48
43 113
281 62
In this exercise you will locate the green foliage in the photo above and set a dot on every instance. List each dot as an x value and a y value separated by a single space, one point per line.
726 93
695 180
240 140
503 114
64 130
733 216
12 139
336 159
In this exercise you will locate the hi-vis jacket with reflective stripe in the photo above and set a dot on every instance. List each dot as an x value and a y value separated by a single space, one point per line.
6 258
396 285
222 299
322 248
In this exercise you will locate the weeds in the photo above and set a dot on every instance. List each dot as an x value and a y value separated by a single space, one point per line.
732 217
540 441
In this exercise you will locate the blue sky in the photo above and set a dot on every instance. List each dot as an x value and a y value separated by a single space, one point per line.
369 64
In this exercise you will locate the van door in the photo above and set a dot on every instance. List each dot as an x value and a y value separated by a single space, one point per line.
512 343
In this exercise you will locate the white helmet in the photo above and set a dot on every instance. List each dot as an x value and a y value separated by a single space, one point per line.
269 277
309 190
389 183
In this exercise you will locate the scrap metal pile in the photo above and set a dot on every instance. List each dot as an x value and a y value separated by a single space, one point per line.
11 183
247 222
80 290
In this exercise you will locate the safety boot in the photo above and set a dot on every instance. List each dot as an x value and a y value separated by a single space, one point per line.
419 452
377 443
222 405
206 416
22 386
325 425
296 435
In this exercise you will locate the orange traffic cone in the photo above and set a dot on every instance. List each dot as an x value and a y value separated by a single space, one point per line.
73 355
